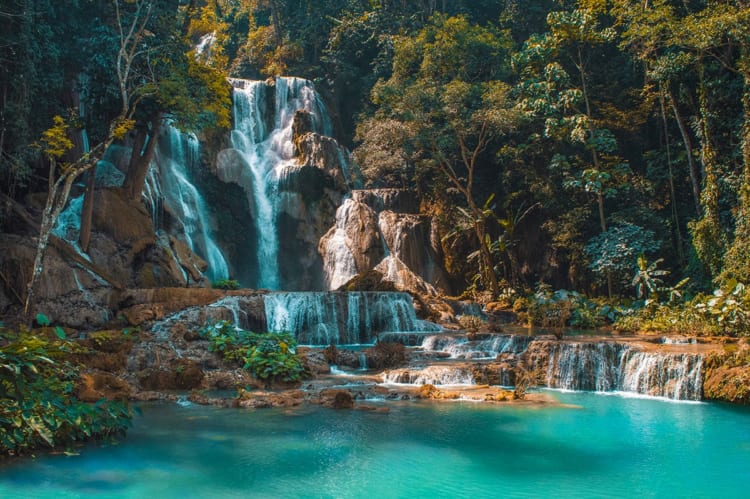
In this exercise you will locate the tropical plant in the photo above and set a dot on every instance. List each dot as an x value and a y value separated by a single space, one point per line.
728 308
268 356
38 408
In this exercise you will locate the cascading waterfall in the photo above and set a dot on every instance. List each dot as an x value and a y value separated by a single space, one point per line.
605 366
339 264
432 375
176 154
266 153
322 318
459 347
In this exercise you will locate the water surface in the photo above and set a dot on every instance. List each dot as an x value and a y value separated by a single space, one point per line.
605 446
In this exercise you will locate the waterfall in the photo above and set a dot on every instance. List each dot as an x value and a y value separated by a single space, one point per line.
266 147
432 375
459 347
176 155
322 318
620 367
339 265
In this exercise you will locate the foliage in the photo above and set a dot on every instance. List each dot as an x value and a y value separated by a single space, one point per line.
226 284
38 407
724 312
562 308
639 110
268 356
471 324
728 308
613 251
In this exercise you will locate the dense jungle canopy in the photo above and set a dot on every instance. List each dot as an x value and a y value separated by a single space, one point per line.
556 141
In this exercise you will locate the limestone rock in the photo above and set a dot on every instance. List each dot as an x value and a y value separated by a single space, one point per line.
325 154
396 271
263 399
410 239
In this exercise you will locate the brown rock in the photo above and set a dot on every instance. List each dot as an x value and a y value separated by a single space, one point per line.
265 399
731 384
336 398
182 374
95 386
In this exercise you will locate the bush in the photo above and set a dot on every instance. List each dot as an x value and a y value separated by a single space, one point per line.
563 308
37 405
228 284
268 356
725 312
471 324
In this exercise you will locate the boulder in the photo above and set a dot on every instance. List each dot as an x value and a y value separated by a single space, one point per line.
334 398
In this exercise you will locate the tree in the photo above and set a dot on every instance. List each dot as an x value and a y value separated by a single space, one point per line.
446 94
152 74
556 89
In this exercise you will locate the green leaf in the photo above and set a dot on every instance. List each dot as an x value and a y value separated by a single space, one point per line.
42 320
60 333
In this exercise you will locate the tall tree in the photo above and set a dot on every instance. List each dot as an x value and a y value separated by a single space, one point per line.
152 75
445 90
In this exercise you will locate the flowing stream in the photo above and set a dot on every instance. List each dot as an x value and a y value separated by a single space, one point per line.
597 446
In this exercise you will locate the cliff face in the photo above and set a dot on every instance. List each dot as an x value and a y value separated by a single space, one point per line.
370 235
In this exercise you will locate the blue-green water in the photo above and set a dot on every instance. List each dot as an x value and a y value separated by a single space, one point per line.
607 446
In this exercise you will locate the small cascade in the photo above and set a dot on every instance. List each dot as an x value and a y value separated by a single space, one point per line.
431 375
339 264
68 225
176 155
605 366
263 138
321 318
459 347
674 376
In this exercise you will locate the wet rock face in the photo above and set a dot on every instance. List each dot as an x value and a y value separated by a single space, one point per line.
403 247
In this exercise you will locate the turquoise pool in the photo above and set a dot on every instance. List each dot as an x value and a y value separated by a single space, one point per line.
600 446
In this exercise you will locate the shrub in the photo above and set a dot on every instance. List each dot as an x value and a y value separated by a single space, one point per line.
228 284
471 324
268 356
725 312
37 405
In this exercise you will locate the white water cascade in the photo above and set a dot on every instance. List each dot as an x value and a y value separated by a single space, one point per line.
604 366
169 181
431 375
339 265
266 147
459 347
324 318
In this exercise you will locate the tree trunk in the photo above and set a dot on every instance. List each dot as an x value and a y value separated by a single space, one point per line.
140 160
487 268
692 170
56 199
672 193
708 234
